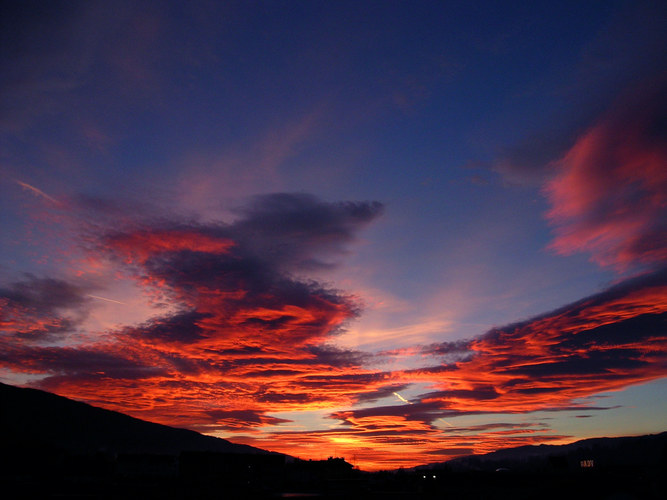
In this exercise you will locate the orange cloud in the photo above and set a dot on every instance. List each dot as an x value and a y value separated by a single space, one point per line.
242 334
602 343
137 247
244 341
232 379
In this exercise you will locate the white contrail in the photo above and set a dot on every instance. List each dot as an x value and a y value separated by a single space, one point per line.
401 398
409 402
108 300
445 421
37 191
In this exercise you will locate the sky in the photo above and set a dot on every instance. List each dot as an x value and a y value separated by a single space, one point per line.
396 232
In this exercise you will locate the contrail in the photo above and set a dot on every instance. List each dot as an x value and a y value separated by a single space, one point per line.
408 402
108 300
401 398
37 191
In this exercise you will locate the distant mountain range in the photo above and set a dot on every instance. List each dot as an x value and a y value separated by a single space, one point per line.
35 420
595 453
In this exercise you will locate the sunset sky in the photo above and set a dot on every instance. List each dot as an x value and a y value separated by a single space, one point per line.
396 232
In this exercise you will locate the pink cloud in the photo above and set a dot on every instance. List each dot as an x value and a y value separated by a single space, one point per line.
609 193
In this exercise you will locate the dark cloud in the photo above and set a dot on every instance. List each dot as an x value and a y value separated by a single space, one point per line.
236 277
612 336
68 364
297 231
447 348
480 393
496 426
454 452
528 161
579 408
335 356
449 352
653 282
426 412
179 327
44 295
254 257
345 379
243 326
41 308
383 392
300 398
242 419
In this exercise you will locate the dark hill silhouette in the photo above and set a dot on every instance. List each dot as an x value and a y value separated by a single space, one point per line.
38 420
51 446
633 467
626 451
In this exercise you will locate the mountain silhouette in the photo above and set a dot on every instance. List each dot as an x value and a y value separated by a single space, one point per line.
626 451
54 447
31 419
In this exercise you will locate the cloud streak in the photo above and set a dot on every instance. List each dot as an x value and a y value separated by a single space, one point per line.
37 192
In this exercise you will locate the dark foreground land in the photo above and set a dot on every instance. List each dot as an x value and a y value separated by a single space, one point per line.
97 478
52 447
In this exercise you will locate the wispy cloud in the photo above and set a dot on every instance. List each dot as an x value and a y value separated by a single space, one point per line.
106 299
37 192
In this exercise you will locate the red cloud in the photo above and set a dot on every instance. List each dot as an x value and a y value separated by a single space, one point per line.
244 336
138 246
602 343
609 196
389 442
245 341
175 371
